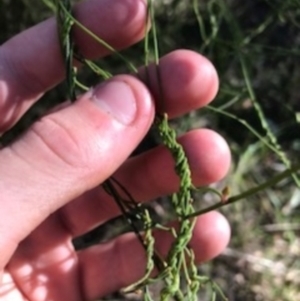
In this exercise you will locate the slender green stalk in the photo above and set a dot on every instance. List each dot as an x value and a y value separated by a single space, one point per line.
264 141
65 23
261 187
276 146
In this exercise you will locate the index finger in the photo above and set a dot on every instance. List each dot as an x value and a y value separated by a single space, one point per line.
31 62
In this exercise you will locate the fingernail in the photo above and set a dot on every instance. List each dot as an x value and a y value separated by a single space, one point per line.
116 98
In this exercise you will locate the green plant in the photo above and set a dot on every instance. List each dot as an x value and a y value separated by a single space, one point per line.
244 51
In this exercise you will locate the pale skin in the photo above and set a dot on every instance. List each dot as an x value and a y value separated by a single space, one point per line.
50 176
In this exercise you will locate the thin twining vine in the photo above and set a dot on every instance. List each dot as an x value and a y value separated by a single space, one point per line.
180 257
65 25
179 263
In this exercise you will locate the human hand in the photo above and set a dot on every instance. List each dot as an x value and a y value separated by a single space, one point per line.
49 176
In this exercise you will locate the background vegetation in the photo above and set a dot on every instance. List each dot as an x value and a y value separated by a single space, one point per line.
255 46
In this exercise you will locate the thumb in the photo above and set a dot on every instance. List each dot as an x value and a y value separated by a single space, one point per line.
69 152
